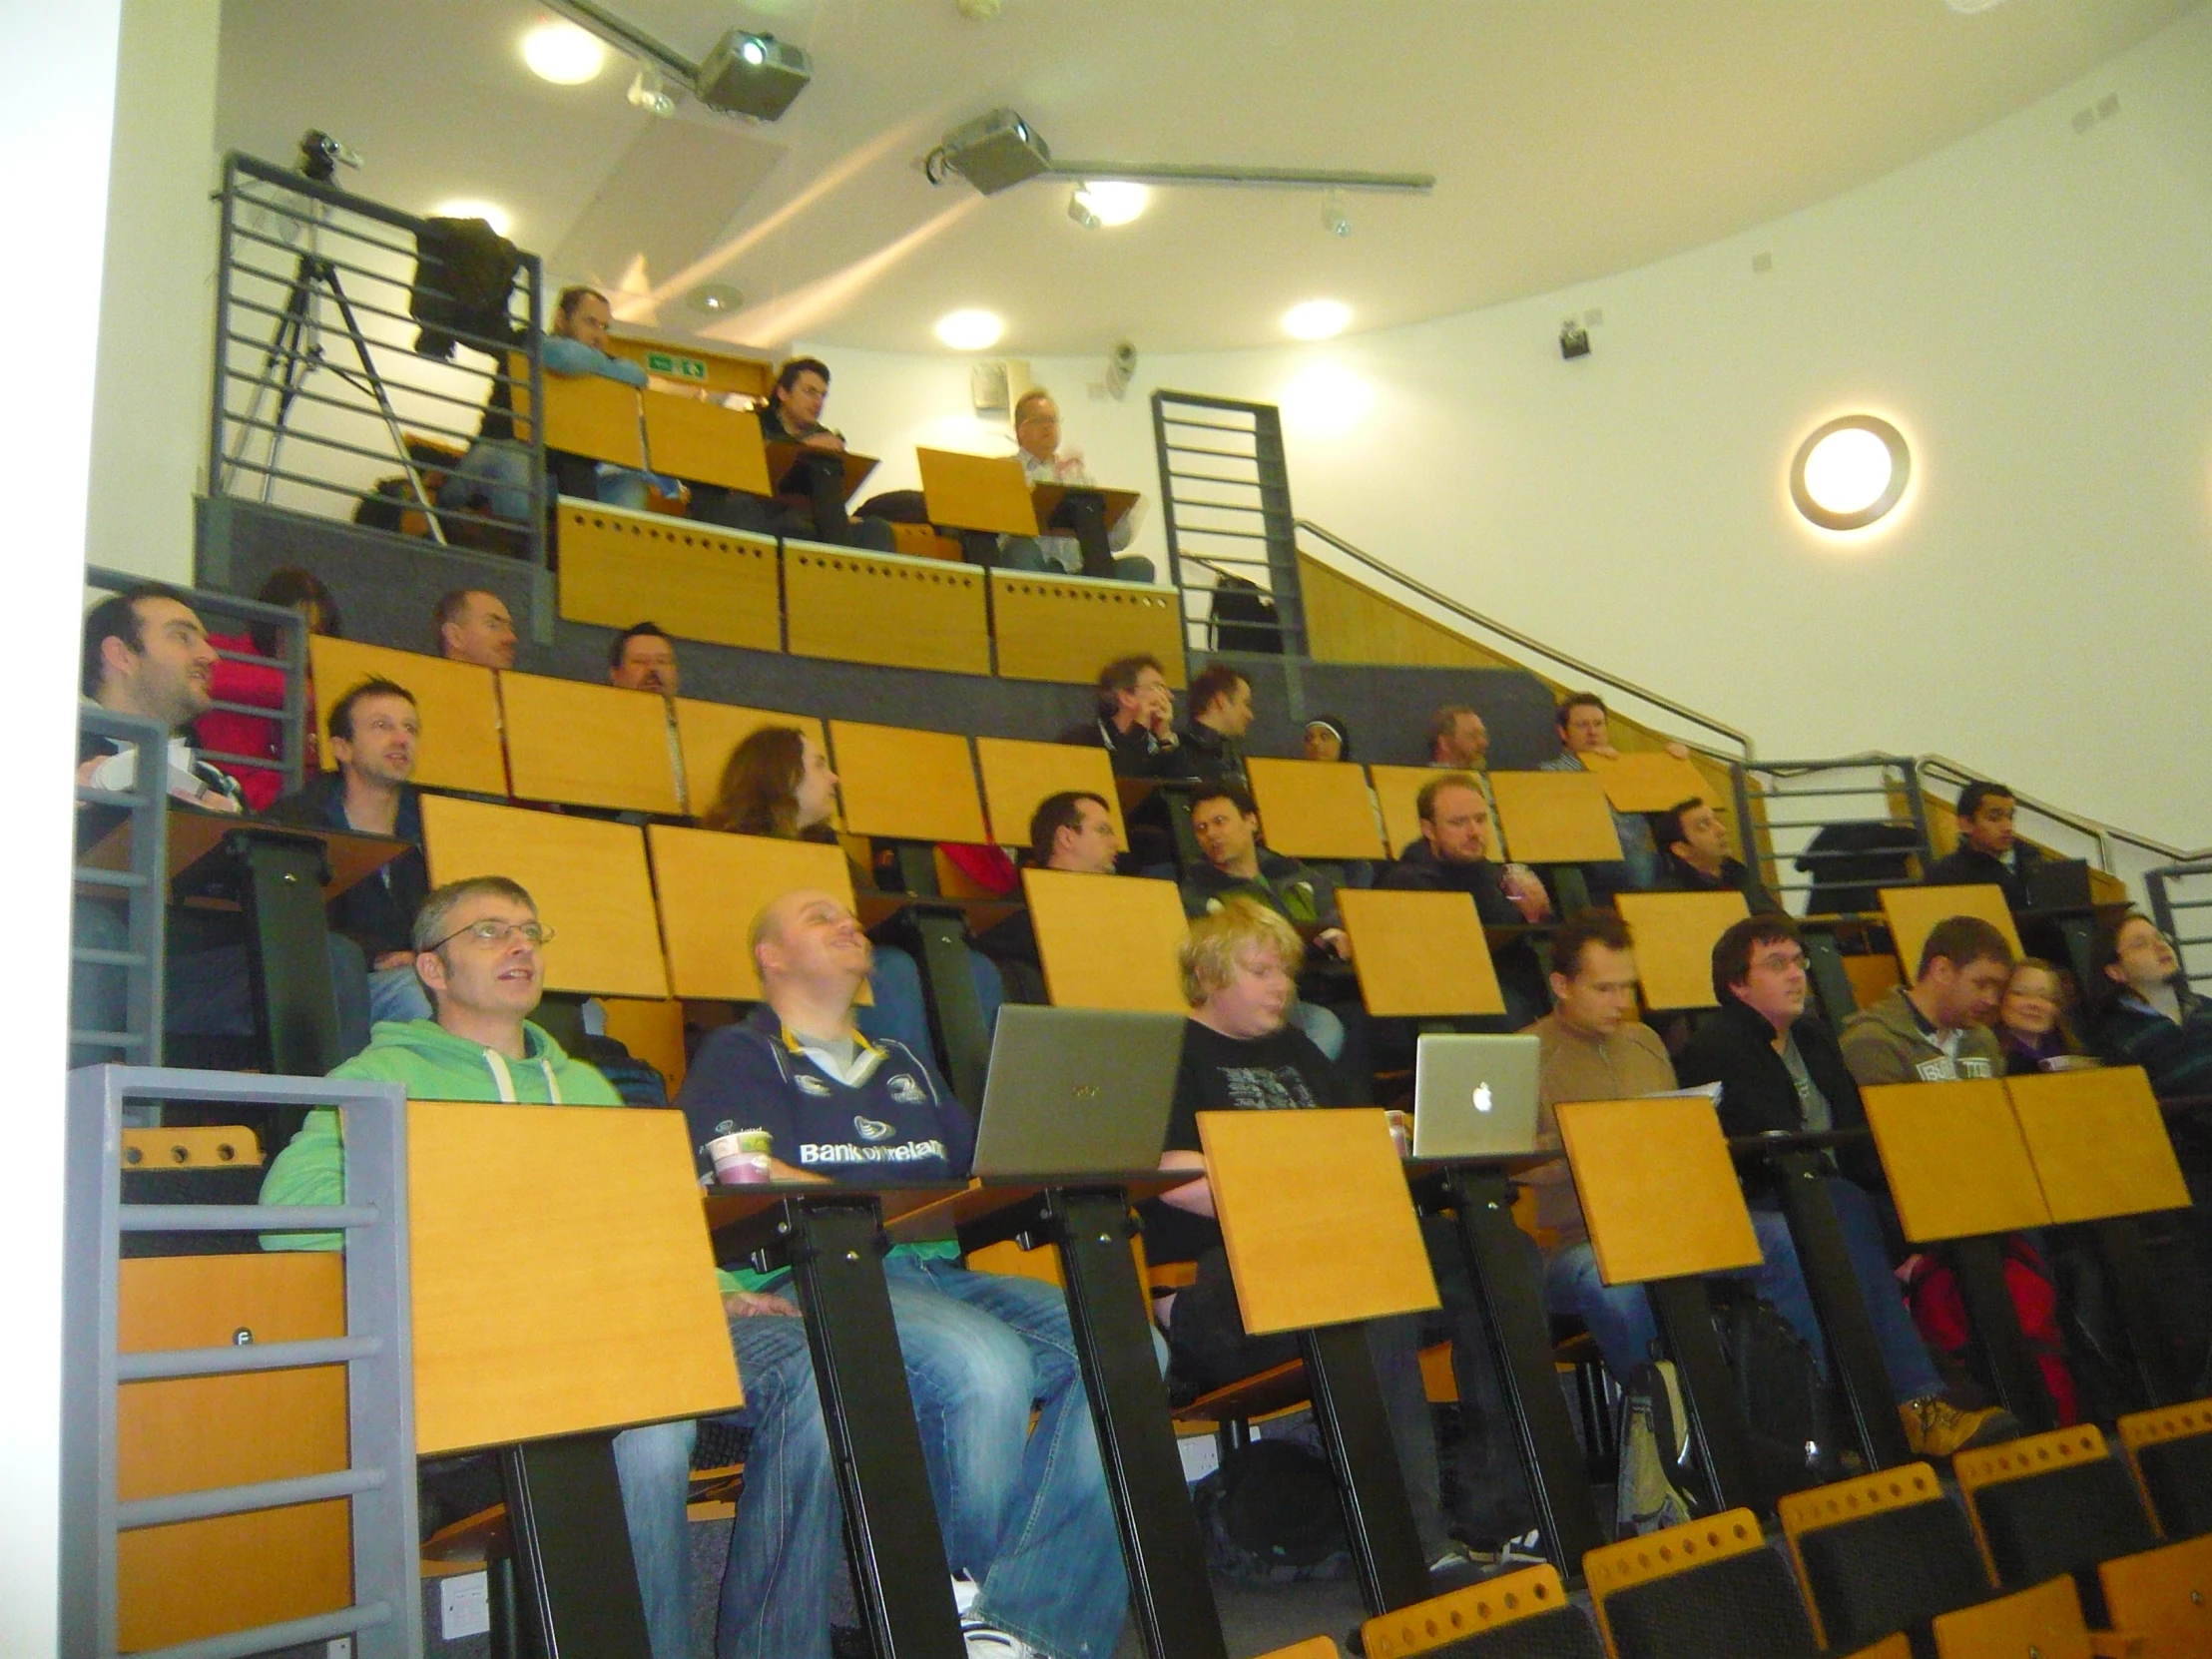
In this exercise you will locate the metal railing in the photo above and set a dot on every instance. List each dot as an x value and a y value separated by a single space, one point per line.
2119 853
2180 900
1739 743
385 1617
114 980
320 388
1836 830
1225 500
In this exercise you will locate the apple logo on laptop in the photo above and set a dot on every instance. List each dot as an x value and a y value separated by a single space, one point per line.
1482 1097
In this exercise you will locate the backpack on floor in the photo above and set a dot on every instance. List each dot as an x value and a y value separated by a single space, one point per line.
1784 1399
1270 1515
1654 1487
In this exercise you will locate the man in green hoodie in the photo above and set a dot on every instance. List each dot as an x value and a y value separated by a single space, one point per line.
479 953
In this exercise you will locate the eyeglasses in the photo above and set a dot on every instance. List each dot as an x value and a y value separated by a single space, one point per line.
495 933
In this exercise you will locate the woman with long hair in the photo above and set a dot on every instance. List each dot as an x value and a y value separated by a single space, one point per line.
2035 1028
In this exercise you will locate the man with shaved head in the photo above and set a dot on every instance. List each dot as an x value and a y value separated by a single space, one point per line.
1027 1527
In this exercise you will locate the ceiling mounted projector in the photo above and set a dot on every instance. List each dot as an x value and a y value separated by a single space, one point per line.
993 153
755 75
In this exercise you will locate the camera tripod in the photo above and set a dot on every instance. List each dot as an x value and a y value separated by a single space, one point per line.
295 351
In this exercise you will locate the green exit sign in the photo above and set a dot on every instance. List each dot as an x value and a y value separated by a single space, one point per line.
679 369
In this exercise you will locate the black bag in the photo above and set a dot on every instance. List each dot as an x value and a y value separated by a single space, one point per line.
1270 1515
1793 1433
1245 617
465 271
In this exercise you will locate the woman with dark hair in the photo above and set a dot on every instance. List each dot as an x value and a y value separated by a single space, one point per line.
238 739
2033 1026
1328 739
2146 1013
777 784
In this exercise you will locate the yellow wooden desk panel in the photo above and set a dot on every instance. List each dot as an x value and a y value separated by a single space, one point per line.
1657 1187
711 885
1913 913
561 1272
1396 793
707 734
588 878
1316 1217
583 745
1108 942
1067 627
906 784
585 415
701 583
1017 776
1420 953
1675 933
1957 1164
458 702
976 492
653 1031
1648 781
883 609
704 443
1557 818
1316 808
725 370
2098 1143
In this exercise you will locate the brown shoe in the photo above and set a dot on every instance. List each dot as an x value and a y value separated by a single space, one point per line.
1935 1427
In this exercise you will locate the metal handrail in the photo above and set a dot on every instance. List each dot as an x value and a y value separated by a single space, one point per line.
2105 834
1742 740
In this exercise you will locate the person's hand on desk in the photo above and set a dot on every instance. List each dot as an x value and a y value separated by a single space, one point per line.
1521 886
211 801
824 441
1336 941
778 1169
745 1305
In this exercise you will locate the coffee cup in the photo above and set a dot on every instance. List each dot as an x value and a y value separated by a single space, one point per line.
740 1158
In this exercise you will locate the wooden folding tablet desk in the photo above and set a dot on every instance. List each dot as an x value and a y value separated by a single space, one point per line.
1419 954
581 745
976 492
1913 913
710 886
705 443
1557 818
1961 1178
1088 512
585 415
1648 781
458 704
1398 796
707 734
1108 942
1674 934
1316 808
1018 776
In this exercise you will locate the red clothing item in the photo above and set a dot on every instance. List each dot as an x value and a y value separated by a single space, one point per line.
221 731
1940 1313
987 867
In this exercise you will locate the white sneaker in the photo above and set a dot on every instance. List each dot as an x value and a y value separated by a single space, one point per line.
964 1592
987 1641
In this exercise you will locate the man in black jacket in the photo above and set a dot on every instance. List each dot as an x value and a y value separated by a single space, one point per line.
1221 714
1452 856
1135 721
1989 855
374 729
1780 1070
1694 856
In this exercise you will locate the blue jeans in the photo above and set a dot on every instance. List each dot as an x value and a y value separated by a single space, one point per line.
496 475
1027 553
785 1543
1619 1316
1025 1513
653 1464
1913 1374
900 1009
395 993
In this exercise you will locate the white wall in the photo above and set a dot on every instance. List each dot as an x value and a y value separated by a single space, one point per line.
56 100
2033 307
150 411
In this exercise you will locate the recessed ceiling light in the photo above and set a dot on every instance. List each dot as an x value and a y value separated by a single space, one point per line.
563 54
1112 200
714 298
491 212
970 331
1317 320
1849 472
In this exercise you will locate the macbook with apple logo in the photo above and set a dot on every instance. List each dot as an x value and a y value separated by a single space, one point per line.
1475 1097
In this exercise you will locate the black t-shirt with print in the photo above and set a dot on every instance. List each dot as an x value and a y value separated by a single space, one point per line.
1282 1071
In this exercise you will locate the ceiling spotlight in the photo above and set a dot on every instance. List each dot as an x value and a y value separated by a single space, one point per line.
1099 202
714 298
652 94
970 331
1333 217
1849 472
491 212
753 75
563 54
1317 320
993 151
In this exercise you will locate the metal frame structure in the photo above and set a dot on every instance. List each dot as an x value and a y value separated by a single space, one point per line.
386 1616
2181 894
142 888
2119 853
1248 512
328 242
1894 784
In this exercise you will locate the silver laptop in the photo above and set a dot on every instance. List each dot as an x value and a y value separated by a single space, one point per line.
1475 1097
1077 1091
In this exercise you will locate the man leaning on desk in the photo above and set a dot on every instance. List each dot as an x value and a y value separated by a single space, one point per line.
812 492
1037 430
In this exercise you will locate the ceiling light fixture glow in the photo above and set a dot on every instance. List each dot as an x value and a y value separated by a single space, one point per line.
1317 320
1849 472
970 331
562 53
1111 201
491 212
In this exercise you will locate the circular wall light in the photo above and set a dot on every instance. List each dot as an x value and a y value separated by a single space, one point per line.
1317 320
563 54
970 331
491 212
1849 472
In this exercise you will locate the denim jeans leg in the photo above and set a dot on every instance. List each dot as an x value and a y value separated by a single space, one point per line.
897 1011
1913 1375
1618 1316
1395 1345
1054 1577
653 1465
783 1545
395 993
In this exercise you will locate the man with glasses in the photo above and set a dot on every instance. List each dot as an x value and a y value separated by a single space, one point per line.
1037 430
1781 1070
478 952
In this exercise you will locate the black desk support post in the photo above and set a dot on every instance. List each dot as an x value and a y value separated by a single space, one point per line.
1084 512
1718 1432
279 881
1520 1331
1370 1483
1168 1585
937 935
2128 1273
1823 962
578 1584
1979 1265
1840 1306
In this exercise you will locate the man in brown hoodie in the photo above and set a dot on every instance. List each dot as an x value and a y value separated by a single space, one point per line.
1936 1030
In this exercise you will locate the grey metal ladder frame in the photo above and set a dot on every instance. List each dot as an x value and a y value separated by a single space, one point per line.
385 1620
144 887
1259 505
